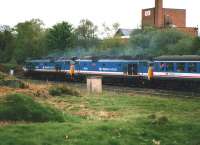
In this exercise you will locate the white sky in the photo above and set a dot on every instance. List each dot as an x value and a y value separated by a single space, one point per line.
125 12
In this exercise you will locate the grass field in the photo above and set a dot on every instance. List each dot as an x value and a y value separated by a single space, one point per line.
112 119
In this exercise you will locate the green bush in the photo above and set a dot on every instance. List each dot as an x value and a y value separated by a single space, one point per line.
18 107
63 90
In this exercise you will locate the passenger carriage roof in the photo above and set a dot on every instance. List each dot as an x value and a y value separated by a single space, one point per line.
178 58
114 58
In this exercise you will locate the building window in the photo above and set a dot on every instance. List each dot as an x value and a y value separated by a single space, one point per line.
147 13
192 67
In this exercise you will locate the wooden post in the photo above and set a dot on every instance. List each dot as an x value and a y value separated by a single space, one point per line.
94 84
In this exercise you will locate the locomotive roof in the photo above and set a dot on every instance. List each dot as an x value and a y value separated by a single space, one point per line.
178 58
93 58
49 59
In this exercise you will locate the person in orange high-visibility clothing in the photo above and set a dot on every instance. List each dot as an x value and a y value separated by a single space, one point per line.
150 72
72 71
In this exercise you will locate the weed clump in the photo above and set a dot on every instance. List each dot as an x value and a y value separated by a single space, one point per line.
18 107
152 116
63 90
162 120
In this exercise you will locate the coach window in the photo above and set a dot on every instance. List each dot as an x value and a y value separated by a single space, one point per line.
162 66
192 67
180 67
169 67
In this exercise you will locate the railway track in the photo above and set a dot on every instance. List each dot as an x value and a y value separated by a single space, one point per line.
152 92
133 90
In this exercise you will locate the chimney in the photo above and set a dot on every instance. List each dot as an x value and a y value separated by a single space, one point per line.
159 16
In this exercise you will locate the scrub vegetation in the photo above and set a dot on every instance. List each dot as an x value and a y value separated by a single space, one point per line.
10 81
111 118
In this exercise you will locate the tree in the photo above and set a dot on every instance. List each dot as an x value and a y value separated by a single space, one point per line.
113 43
155 42
60 36
7 42
108 31
28 40
86 34
196 45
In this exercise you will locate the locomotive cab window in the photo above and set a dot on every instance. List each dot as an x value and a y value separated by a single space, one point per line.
192 67
66 62
180 67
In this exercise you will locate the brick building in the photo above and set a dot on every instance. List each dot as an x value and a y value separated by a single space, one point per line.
160 17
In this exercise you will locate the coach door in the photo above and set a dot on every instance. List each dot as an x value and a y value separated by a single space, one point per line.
132 69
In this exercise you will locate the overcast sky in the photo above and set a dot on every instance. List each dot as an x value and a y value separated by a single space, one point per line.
125 12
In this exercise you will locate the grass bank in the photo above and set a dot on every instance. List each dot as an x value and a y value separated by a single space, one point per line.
112 119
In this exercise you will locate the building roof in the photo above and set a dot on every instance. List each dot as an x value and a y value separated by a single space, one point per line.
124 32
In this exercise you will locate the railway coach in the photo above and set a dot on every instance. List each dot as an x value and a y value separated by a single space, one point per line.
177 67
